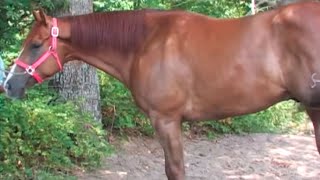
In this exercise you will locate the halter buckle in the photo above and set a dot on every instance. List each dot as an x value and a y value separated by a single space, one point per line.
54 31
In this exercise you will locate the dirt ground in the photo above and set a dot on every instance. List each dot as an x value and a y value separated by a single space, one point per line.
253 156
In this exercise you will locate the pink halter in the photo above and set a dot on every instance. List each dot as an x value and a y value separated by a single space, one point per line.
30 69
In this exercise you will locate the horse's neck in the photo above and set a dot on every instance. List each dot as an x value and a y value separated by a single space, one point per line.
105 46
112 63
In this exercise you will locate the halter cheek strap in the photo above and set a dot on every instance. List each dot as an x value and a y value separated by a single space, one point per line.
31 69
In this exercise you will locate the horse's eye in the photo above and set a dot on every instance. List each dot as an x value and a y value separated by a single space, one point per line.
35 45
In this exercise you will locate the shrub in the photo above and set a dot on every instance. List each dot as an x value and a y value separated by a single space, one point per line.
39 137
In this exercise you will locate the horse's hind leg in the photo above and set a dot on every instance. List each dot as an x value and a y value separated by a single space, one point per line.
314 115
168 130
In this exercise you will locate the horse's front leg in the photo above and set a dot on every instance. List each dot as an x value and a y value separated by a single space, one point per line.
168 130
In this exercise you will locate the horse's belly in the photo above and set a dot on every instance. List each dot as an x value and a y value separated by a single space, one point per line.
227 103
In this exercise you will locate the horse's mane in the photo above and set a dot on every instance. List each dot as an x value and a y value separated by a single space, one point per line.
119 30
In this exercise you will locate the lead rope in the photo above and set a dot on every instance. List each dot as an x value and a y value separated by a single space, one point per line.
2 72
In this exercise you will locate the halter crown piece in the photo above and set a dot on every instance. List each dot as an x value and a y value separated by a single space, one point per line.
52 51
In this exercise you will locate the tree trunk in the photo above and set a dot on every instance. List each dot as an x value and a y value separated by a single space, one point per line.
79 81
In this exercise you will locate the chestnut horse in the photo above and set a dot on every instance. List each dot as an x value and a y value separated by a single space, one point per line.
182 66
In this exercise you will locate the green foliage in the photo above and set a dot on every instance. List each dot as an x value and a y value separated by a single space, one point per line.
221 8
37 137
111 5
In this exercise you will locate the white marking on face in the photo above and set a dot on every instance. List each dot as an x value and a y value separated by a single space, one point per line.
11 73
9 76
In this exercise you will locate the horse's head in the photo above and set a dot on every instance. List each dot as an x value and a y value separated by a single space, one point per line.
40 57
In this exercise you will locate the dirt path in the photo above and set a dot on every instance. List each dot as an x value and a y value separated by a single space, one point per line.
254 156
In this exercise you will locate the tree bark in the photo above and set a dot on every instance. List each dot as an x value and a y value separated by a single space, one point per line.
79 81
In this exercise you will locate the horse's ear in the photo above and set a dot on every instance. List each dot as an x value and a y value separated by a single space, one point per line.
40 16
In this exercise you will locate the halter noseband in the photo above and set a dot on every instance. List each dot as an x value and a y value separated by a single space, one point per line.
30 69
